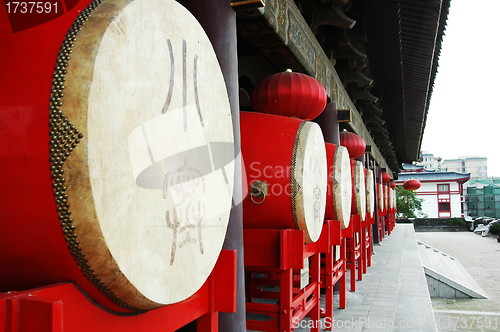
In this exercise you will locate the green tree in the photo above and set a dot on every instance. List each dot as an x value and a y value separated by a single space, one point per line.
408 204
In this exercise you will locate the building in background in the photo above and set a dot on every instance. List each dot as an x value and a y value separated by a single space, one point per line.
429 162
442 192
476 166
482 198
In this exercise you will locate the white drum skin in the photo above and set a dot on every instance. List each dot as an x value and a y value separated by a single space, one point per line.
146 91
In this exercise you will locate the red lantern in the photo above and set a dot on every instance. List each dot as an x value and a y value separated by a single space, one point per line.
386 177
289 94
392 184
411 184
354 144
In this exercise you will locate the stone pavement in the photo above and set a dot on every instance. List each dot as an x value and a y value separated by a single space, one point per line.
481 258
393 294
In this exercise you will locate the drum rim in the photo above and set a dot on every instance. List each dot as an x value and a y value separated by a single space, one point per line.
370 197
381 204
360 189
304 132
343 189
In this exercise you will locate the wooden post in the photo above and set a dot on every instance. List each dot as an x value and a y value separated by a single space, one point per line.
219 22
329 124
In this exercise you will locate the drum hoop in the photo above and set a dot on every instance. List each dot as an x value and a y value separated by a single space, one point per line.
381 197
338 192
294 185
61 126
360 190
370 198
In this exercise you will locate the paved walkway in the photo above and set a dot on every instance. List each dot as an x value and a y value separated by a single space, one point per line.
481 258
393 294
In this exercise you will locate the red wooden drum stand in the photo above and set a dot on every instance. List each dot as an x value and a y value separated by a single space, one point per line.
337 218
382 210
366 226
63 307
273 259
358 214
333 265
391 196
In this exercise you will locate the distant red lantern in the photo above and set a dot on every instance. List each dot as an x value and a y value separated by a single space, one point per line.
411 184
353 143
386 177
392 184
289 94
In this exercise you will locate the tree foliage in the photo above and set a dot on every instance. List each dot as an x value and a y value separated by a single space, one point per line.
408 204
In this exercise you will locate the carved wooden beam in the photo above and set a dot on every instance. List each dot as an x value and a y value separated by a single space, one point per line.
246 4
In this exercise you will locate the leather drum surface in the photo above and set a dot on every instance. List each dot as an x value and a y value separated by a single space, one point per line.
339 197
142 161
359 189
370 193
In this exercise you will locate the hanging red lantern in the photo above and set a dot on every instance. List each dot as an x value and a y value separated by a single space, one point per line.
392 184
353 143
386 177
411 184
289 94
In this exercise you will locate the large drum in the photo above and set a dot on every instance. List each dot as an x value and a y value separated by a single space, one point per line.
339 197
370 193
286 173
392 199
117 160
358 205
381 197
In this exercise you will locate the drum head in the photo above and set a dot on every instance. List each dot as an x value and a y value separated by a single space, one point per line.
342 186
360 190
386 197
381 204
150 180
308 178
370 193
392 196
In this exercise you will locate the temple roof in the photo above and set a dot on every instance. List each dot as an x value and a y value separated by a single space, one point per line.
403 45
434 176
377 58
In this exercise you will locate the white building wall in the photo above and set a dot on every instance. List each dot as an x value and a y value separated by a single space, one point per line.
455 200
428 192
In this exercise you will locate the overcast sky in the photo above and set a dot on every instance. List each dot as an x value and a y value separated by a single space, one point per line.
464 113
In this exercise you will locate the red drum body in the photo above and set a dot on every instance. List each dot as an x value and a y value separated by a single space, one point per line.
339 197
370 193
286 173
108 171
358 205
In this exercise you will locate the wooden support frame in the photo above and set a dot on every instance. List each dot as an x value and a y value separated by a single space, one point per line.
333 269
354 253
272 259
48 309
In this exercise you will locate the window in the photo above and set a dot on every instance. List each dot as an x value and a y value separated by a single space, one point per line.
443 188
444 207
